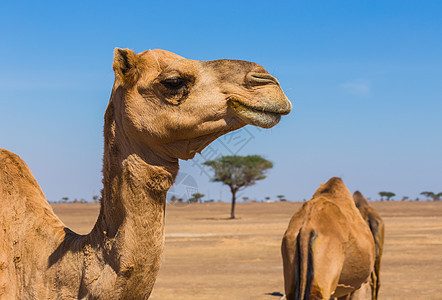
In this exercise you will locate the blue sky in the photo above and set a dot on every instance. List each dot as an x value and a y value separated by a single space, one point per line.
365 78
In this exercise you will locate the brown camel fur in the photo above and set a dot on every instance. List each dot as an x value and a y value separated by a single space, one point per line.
370 289
327 250
163 108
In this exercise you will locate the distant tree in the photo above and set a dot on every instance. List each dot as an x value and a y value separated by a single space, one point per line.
267 198
405 198
238 172
65 199
175 199
382 195
95 198
427 194
195 198
281 198
433 196
245 199
388 195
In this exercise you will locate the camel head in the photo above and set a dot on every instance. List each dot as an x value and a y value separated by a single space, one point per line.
178 106
359 199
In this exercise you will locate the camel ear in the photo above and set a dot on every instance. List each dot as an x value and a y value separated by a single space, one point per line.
126 67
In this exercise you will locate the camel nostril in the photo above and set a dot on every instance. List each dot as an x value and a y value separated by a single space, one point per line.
255 78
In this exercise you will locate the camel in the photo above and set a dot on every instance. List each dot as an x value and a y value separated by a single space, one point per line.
327 250
370 289
163 108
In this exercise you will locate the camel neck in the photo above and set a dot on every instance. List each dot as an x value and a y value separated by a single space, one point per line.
130 226
135 178
133 190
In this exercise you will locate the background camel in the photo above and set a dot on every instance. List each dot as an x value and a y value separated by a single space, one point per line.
327 250
162 108
376 225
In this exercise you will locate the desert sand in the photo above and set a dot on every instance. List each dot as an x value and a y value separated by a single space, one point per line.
208 256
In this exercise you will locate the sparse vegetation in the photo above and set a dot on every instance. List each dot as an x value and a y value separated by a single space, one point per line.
433 196
196 198
387 195
175 199
238 172
281 198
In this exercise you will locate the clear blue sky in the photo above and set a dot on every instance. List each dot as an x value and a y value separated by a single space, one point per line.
365 78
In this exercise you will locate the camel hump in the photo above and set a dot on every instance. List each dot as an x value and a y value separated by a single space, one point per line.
359 199
7 158
15 175
333 186
334 181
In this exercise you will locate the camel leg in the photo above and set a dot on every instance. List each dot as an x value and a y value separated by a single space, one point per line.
288 254
363 293
375 282
328 259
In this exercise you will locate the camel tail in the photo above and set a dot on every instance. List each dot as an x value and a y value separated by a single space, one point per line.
304 271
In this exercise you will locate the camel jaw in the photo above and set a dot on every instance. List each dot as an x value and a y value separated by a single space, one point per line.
265 117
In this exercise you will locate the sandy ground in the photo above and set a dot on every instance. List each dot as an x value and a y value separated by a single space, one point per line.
208 256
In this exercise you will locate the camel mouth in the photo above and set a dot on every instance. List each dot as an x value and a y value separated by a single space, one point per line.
265 117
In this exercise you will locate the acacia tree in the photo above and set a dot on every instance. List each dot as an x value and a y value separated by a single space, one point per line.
389 195
281 198
196 198
238 172
386 194
435 197
427 194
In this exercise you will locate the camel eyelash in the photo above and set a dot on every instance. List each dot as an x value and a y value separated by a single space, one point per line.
174 83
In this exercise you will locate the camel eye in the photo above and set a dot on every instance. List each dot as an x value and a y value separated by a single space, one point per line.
174 83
